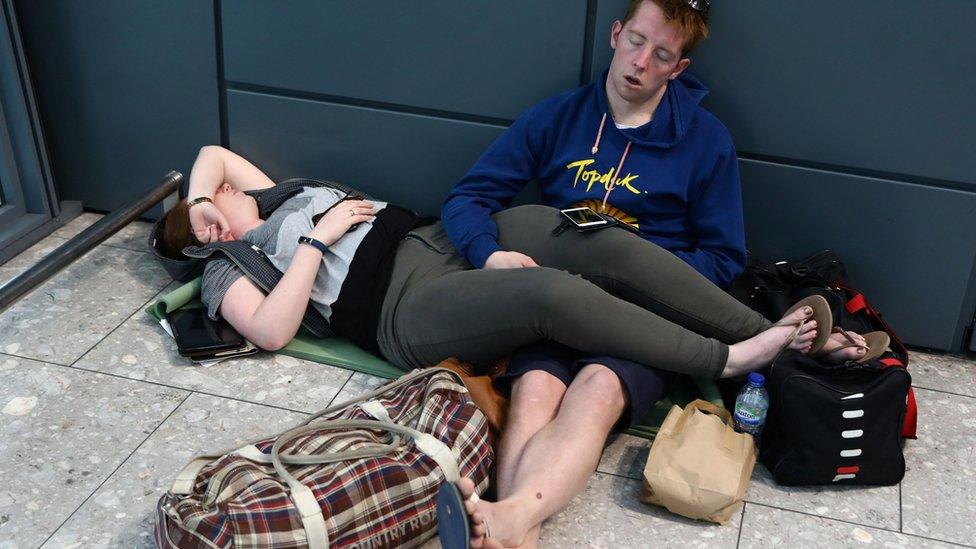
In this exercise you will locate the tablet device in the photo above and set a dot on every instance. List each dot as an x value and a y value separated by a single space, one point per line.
198 336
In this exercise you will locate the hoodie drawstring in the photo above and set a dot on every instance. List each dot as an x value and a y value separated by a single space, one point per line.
620 165
599 135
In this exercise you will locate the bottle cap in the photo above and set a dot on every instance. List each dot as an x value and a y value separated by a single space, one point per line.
756 379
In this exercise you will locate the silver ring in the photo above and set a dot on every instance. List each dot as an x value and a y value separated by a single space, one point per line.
352 212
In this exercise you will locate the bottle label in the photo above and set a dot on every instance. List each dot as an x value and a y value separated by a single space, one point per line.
748 416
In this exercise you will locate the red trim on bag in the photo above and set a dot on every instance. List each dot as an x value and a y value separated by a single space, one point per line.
873 313
889 362
853 469
856 303
909 427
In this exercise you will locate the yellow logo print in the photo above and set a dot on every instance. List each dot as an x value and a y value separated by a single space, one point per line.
590 177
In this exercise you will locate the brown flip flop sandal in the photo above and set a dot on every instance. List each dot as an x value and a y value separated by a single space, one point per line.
821 313
875 344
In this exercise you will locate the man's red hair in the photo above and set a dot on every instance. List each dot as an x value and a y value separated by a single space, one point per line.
693 26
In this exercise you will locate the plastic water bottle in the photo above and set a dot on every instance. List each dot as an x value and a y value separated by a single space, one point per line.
751 405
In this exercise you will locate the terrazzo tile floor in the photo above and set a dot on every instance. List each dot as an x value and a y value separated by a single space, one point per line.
99 413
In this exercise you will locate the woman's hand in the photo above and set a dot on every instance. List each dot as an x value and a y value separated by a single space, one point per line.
337 221
208 224
509 260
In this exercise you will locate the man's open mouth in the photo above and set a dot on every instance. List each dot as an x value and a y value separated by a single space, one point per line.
631 80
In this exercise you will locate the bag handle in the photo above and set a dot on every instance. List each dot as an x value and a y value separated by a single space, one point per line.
400 382
705 406
728 435
305 502
186 478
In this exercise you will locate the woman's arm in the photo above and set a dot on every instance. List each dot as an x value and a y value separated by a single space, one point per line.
271 321
216 165
213 167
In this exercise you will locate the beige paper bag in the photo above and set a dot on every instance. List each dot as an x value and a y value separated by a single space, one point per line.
699 467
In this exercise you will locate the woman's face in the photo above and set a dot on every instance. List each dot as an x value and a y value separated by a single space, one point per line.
240 209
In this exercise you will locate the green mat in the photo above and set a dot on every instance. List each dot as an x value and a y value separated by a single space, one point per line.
333 351
343 353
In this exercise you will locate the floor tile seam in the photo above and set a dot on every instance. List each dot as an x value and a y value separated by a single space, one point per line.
856 523
771 506
264 404
943 391
116 470
138 309
102 243
159 384
742 523
142 307
339 392
41 360
33 264
188 389
628 477
929 538
901 511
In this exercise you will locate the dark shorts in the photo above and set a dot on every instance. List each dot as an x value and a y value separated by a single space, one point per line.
643 386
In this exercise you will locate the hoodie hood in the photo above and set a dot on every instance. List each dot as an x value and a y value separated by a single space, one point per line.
673 116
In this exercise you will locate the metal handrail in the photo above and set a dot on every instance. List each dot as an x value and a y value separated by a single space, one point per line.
84 241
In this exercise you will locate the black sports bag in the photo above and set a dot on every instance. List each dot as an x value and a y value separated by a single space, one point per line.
834 425
771 288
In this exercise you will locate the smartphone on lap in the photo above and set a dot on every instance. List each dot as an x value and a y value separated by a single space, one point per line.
584 219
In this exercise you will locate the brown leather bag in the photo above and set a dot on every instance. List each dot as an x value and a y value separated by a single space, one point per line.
483 393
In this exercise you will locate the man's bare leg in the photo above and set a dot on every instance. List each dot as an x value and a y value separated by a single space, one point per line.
535 399
534 402
555 464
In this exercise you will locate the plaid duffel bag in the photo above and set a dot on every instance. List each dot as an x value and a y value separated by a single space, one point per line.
364 473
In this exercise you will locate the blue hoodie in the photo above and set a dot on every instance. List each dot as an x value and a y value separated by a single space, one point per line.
677 180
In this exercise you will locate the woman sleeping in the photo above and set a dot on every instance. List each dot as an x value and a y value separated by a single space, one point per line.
391 282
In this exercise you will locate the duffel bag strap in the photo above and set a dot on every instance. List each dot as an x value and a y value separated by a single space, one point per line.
187 477
858 303
308 507
400 382
253 262
428 444
909 428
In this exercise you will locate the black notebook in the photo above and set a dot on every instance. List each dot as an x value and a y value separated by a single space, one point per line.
198 337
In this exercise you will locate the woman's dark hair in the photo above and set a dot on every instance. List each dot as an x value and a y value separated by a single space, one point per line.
177 231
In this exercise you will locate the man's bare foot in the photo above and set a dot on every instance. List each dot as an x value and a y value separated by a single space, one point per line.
757 351
493 525
835 352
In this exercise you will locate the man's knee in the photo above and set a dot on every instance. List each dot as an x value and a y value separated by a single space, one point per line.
537 386
602 386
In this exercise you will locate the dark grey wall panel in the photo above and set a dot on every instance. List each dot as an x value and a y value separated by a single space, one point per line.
881 87
408 159
884 86
908 247
126 90
492 59
607 11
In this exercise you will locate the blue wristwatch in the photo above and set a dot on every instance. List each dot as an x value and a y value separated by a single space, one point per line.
314 243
